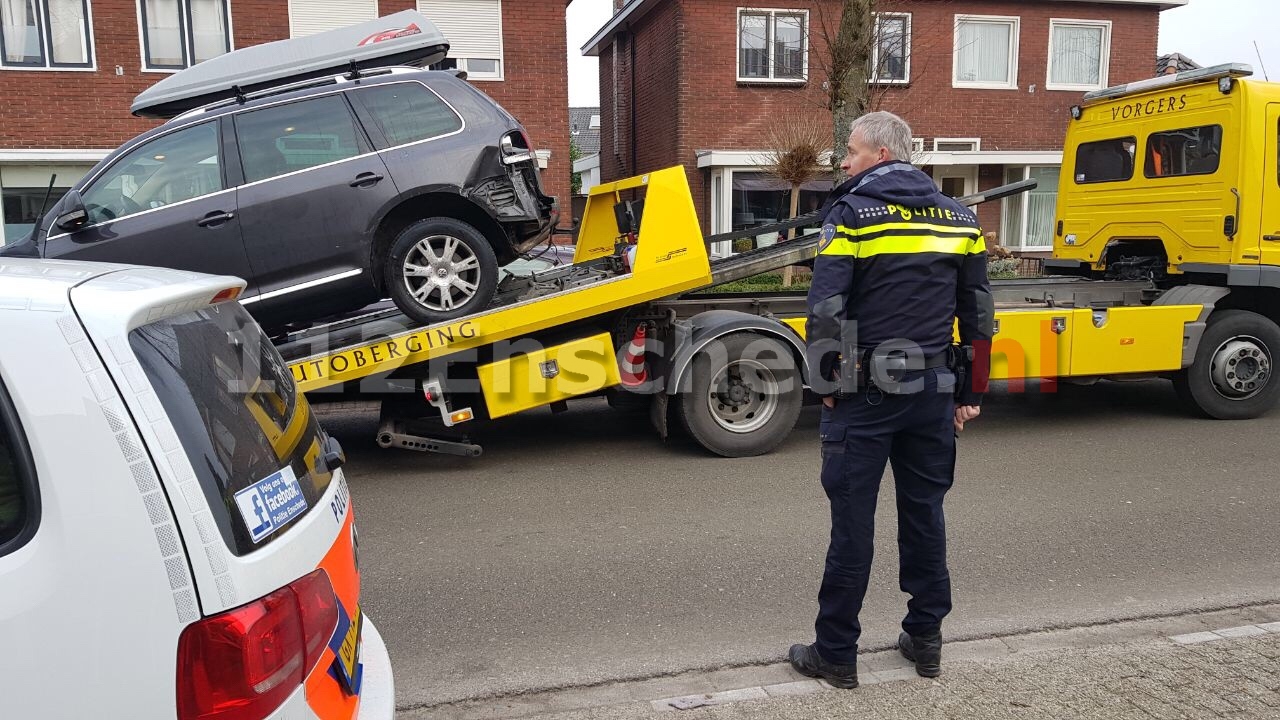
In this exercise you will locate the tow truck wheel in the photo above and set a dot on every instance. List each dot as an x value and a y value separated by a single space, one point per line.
1232 376
439 269
744 397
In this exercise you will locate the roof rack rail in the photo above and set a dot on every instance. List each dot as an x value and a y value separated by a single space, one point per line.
1228 72
243 97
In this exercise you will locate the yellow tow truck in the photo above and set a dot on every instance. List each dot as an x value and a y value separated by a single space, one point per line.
1169 270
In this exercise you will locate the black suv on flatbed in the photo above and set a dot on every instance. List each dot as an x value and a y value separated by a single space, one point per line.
325 195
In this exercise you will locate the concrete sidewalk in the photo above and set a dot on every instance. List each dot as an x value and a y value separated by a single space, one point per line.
1223 664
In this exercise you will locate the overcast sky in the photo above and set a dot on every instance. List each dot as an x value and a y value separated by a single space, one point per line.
1209 32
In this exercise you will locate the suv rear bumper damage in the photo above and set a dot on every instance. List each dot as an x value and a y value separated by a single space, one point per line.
515 199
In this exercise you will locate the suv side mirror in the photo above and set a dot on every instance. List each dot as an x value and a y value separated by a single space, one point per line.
73 216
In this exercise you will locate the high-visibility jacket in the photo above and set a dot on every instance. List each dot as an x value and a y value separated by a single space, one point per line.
899 263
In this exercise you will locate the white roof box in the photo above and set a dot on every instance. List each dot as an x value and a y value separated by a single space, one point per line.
403 38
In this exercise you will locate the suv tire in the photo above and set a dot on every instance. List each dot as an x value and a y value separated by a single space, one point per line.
440 269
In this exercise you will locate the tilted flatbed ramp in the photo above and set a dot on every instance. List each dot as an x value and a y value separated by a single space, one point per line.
403 38
668 261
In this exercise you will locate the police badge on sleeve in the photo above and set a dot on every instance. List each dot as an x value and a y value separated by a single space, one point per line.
828 234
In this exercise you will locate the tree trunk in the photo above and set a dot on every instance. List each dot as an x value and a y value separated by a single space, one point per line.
791 234
850 95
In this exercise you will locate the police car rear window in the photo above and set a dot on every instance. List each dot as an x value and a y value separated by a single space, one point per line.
256 449
1105 160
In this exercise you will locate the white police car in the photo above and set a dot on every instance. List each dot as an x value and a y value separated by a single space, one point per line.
176 536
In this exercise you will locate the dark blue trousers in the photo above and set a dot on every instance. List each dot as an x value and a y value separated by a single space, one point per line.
915 434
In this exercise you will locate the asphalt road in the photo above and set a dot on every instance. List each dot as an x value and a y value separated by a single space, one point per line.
580 549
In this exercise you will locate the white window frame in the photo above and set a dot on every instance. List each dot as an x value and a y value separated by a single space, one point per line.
1104 53
186 37
91 50
906 55
772 13
1015 31
977 143
917 146
1025 200
461 62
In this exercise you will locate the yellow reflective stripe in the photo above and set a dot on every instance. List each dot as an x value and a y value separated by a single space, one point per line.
978 246
919 227
906 244
840 246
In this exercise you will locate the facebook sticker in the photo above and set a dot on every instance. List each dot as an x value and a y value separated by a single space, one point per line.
270 504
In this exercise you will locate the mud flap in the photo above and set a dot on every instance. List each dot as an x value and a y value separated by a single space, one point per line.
658 414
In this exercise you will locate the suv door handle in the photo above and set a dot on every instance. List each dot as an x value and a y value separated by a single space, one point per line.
215 218
366 179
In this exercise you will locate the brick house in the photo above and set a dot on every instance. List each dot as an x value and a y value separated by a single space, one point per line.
71 68
987 86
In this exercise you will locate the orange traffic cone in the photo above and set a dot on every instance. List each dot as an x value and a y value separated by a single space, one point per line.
632 366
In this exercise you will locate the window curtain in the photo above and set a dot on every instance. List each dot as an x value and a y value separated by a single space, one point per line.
982 52
208 29
67 23
1077 55
21 31
164 33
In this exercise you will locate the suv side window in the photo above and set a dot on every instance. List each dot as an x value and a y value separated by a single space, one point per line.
17 484
179 166
287 138
408 112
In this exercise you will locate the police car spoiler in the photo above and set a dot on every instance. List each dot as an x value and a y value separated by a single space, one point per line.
403 38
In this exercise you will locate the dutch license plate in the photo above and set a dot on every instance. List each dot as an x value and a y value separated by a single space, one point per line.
350 670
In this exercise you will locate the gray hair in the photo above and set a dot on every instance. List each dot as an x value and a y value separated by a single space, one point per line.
886 130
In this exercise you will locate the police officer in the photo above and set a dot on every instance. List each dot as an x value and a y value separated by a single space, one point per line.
899 263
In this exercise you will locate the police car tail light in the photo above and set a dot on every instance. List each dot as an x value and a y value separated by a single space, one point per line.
244 663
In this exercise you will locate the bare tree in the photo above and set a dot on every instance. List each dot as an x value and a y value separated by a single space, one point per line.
794 148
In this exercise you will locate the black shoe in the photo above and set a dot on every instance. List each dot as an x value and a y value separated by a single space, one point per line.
806 660
925 652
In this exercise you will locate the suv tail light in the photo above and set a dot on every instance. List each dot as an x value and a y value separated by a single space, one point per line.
244 663
516 147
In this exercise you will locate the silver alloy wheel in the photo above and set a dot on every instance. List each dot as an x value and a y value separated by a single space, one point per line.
743 396
441 272
1240 368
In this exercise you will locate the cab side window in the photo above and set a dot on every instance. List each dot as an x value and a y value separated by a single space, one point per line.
16 485
1105 161
408 112
287 138
1190 151
179 166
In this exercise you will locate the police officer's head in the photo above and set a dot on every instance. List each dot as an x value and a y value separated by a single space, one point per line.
875 138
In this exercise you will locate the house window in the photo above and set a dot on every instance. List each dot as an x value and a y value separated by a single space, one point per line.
773 45
891 53
474 31
177 34
957 144
761 199
1027 219
45 34
1078 54
986 53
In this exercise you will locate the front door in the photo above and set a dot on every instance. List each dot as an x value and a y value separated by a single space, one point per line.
165 204
313 188
1270 228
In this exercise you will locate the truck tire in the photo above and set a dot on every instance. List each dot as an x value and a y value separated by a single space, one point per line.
1233 374
440 269
744 396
